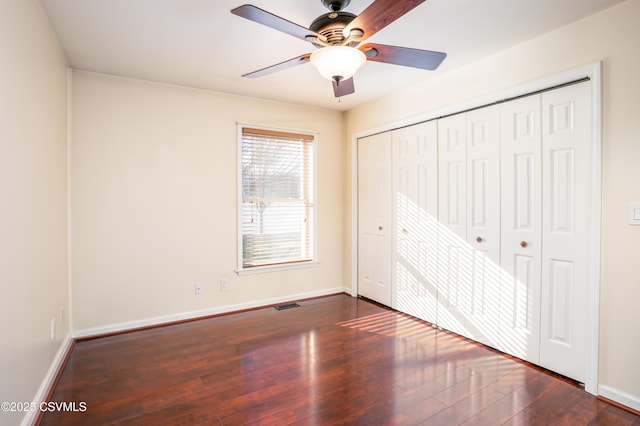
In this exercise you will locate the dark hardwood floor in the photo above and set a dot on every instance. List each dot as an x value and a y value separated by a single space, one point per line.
333 360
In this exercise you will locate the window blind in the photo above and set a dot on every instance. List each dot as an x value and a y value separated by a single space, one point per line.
277 197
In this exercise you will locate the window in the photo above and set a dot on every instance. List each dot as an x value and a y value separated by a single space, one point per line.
277 211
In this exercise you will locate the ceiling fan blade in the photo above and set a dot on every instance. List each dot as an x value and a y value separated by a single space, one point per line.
343 88
263 17
379 14
416 58
303 59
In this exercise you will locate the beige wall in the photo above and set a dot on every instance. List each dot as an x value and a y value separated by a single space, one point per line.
153 195
611 37
154 200
33 200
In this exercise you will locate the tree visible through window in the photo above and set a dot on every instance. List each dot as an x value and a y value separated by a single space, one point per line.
277 197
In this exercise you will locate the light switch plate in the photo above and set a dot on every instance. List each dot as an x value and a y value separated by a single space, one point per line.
634 214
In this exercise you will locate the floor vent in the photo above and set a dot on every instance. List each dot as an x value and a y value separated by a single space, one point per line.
287 306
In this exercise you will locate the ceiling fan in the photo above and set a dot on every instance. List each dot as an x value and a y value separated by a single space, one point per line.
336 35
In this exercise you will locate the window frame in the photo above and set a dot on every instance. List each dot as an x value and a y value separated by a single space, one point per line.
241 269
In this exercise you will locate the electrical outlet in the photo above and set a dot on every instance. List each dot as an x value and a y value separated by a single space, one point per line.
53 328
224 284
198 289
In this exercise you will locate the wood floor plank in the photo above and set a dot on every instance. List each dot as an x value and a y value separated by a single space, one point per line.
333 360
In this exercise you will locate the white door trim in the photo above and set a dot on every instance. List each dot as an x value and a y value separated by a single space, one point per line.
593 302
594 73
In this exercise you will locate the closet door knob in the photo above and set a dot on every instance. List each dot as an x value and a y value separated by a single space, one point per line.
479 239
523 244
380 228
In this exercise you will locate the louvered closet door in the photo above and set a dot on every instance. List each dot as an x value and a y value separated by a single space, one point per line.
415 213
454 273
521 217
374 217
483 224
567 214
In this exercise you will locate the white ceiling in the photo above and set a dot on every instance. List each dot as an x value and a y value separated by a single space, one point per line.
200 44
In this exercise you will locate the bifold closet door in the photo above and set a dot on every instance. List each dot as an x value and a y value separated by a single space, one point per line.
483 224
415 218
546 214
567 160
521 218
480 222
374 217
469 237
454 273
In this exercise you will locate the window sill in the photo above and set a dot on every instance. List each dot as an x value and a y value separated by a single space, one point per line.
277 268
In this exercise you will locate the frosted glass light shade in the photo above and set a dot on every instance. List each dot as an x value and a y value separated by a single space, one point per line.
340 62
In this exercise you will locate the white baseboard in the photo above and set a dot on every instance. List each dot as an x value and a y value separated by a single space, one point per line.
619 396
131 325
49 379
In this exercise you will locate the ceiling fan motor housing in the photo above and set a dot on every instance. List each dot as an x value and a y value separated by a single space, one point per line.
331 24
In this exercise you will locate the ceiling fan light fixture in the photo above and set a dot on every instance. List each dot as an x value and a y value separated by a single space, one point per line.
338 62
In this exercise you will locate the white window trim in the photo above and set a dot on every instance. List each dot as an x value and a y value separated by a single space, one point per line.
277 268
240 270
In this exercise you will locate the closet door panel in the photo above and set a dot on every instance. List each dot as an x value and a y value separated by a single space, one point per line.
521 221
374 218
366 209
415 201
454 268
566 194
483 223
